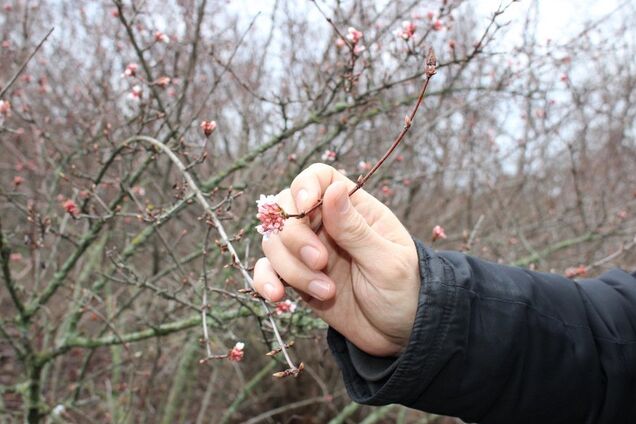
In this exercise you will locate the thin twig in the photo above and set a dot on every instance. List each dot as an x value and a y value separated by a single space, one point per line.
431 64
24 64
198 194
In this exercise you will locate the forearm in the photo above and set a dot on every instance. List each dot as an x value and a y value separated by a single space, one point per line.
499 344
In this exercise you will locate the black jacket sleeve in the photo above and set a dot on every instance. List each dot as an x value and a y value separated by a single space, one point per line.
499 344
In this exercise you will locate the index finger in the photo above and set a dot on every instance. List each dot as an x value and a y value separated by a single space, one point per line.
309 186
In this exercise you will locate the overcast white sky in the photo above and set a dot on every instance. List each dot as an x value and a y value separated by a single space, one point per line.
559 19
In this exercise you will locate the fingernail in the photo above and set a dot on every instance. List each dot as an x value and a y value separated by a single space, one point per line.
343 203
309 255
301 198
319 289
269 290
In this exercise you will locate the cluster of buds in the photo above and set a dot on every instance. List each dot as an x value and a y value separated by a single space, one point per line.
208 127
135 93
284 307
364 166
160 37
271 216
163 81
329 155
354 35
438 233
5 108
131 70
71 208
237 353
574 272
408 30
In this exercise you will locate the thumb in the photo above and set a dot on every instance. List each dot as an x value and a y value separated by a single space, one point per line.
348 228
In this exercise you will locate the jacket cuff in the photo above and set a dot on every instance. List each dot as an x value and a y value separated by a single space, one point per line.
379 381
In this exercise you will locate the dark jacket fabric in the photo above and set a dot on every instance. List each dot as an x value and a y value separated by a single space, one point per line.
500 344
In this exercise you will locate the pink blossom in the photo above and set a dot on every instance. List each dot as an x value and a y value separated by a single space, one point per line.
135 93
354 35
292 157
271 216
17 180
622 214
329 155
15 257
7 7
438 25
131 70
160 37
139 191
5 108
340 43
114 12
430 15
573 272
163 81
208 127
237 353
408 30
438 233
284 307
387 191
359 49
70 207
364 166
565 78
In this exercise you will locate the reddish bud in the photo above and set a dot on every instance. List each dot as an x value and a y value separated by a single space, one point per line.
5 107
208 127
160 37
438 233
574 272
163 82
237 353
285 307
354 35
71 208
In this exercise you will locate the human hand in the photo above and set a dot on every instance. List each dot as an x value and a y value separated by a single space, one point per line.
358 270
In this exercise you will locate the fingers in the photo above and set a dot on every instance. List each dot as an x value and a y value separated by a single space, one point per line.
297 255
309 186
296 273
266 282
350 230
299 239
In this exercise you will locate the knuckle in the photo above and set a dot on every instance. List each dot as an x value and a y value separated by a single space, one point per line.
355 230
320 168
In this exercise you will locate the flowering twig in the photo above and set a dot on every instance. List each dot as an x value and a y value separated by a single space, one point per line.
431 64
198 194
